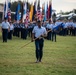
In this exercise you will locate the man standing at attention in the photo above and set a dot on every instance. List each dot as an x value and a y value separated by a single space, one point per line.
38 33
5 29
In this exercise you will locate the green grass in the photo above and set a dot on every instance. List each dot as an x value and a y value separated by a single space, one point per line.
59 57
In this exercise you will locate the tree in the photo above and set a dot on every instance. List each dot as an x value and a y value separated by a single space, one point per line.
14 5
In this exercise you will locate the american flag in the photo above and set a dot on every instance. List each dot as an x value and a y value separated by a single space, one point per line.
39 15
27 17
9 15
9 11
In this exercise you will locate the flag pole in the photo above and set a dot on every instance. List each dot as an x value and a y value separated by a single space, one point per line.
33 40
3 11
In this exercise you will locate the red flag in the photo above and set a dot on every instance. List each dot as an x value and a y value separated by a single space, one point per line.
50 10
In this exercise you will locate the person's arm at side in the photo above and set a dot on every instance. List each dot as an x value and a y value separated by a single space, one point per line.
33 34
1 27
32 39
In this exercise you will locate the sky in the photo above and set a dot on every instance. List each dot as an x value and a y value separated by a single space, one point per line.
58 5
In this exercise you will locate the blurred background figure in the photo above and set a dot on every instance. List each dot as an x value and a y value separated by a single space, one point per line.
10 33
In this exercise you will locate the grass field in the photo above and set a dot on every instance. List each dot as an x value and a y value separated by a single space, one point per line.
59 57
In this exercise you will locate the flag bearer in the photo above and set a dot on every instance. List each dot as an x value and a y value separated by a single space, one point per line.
39 32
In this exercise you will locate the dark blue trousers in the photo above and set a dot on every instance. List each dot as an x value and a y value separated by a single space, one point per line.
25 32
10 34
39 48
5 34
54 36
49 35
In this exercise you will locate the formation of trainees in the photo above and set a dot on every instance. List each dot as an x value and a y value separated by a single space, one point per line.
23 30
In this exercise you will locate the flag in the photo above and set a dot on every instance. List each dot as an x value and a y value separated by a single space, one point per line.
39 14
9 11
34 11
58 27
24 11
45 14
43 8
27 17
27 5
38 10
27 13
47 11
6 9
31 12
50 10
18 15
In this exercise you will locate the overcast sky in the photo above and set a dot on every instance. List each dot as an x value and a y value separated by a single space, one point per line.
64 5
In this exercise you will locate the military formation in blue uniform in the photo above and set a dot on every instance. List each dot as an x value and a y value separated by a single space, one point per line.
20 30
60 27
